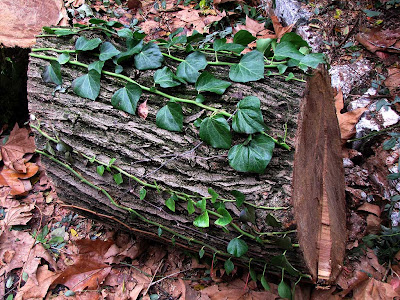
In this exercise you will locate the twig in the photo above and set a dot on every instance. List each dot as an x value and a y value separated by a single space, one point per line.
155 273
168 276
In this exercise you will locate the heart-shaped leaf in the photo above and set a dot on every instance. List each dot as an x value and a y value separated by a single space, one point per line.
125 33
237 247
229 266
284 290
190 207
83 44
87 86
107 51
150 57
281 261
126 99
170 202
287 49
243 37
202 221
170 117
52 73
215 131
63 58
221 45
190 67
250 68
253 157
225 219
272 221
248 118
128 53
214 195
264 283
165 78
239 197
208 83
202 204
97 66
313 60
118 178
142 193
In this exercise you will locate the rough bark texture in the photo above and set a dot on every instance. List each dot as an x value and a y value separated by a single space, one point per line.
96 128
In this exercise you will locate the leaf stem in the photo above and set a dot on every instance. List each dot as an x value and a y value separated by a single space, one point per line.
53 49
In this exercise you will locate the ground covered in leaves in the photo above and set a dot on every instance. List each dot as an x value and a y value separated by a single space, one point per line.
48 251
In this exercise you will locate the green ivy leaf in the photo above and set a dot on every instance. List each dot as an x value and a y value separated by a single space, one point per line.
201 253
243 37
83 44
150 57
213 194
170 117
87 86
239 197
250 68
281 261
118 178
159 231
248 118
221 45
295 39
118 69
313 60
264 283
142 193
170 202
215 131
100 170
248 214
272 221
237 247
202 221
63 58
208 83
165 78
229 266
263 44
284 243
63 32
253 157
190 207
52 73
284 290
286 49
225 219
127 98
200 98
389 144
128 53
97 66
107 51
202 204
253 275
190 67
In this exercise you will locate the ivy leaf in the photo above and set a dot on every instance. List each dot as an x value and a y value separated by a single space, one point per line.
202 221
213 194
272 221
63 32
170 117
170 202
63 58
263 44
221 45
150 57
52 73
229 266
190 207
118 178
237 247
87 86
248 118
83 44
281 261
253 275
165 78
215 131
243 37
264 283
125 33
159 231
250 68
202 204
142 193
284 290
201 252
225 219
190 67
107 51
286 49
284 243
100 170
208 83
97 66
253 157
313 60
295 39
128 53
126 99
239 197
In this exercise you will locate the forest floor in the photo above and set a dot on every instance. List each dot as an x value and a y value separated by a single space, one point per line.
49 252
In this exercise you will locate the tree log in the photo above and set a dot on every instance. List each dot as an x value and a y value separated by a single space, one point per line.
307 182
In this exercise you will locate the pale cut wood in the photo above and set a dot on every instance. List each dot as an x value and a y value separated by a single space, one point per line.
96 128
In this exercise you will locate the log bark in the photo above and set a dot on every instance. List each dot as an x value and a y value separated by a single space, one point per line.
308 179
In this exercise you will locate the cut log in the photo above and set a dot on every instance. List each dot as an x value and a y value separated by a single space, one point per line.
306 182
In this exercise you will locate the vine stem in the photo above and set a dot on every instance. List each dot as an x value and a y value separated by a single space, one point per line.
157 92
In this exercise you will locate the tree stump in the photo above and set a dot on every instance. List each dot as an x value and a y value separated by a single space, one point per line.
306 182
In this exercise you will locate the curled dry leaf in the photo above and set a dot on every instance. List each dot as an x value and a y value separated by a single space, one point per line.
18 182
143 110
377 39
348 120
279 29
373 289
18 215
371 208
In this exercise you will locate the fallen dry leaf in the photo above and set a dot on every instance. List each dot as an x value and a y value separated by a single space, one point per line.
348 120
143 110
35 257
18 215
377 39
279 29
19 143
371 208
251 26
18 182
373 289
392 81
